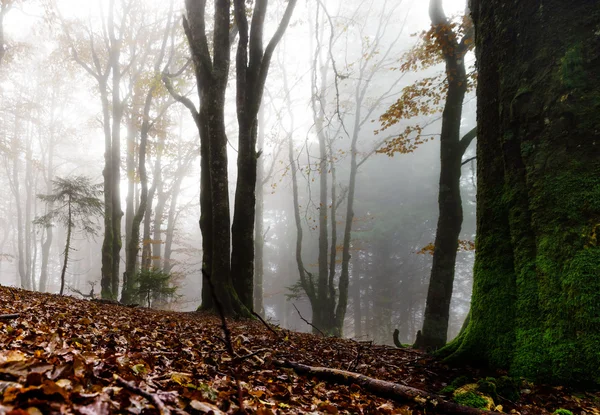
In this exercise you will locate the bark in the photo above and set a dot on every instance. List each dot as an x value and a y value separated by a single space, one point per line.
452 148
383 388
535 279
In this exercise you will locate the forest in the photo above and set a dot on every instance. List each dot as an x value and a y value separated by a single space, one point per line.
304 207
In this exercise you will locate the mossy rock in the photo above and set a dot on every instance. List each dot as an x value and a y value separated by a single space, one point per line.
562 412
473 399
470 395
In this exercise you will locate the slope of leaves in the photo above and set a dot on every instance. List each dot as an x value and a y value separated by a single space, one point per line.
70 356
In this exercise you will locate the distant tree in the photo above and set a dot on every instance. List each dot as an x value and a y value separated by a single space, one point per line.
76 204
536 289
154 284
5 6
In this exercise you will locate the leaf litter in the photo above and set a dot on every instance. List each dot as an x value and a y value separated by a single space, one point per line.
63 355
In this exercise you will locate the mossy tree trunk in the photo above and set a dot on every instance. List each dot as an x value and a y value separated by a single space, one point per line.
536 294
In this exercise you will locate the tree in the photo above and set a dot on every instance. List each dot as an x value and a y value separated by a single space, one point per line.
211 70
536 290
452 148
252 68
99 49
342 114
147 124
445 42
154 284
76 204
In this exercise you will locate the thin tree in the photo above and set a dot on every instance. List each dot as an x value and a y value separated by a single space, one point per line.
76 204
447 43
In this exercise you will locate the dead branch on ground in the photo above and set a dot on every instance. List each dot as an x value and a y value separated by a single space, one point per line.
384 388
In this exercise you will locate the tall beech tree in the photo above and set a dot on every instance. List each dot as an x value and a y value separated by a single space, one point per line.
536 290
211 70
252 67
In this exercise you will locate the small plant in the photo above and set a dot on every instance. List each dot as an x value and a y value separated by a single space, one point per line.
562 412
154 284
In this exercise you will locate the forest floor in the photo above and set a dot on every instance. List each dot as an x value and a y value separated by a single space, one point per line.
65 355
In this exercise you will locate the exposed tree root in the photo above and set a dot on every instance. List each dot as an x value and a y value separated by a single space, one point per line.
9 316
433 402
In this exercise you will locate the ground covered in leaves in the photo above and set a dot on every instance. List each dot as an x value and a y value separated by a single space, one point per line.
70 356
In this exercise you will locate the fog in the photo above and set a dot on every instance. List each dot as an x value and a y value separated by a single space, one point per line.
335 72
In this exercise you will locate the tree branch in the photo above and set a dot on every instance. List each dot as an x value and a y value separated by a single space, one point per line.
466 140
383 388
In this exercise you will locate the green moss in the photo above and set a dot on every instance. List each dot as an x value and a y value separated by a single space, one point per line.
455 384
470 399
488 387
562 412
572 67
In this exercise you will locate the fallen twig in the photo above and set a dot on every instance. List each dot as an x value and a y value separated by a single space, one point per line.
9 316
147 395
385 389
266 325
249 355
308 322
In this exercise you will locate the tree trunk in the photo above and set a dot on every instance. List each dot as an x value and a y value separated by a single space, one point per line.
159 212
536 288
47 242
356 297
212 75
259 225
439 294
67 247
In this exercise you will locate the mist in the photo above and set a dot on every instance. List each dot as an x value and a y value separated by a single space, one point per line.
322 139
